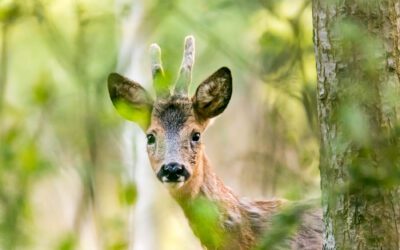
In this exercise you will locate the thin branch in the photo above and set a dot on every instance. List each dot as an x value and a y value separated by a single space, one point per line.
3 64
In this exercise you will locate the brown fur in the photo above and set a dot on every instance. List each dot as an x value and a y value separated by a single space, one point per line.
235 223
242 222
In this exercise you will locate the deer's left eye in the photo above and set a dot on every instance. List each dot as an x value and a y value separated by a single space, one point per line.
151 139
196 137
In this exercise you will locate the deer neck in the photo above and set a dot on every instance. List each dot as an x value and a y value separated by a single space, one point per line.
206 192
205 184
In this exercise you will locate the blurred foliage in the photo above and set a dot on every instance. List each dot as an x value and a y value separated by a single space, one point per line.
59 133
285 225
204 216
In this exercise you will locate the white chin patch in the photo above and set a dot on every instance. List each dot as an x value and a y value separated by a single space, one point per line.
173 185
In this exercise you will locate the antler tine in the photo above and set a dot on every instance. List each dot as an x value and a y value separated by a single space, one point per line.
185 72
160 84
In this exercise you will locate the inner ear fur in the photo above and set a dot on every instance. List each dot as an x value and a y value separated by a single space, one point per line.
213 95
130 99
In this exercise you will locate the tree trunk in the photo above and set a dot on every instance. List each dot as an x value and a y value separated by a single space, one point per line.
358 64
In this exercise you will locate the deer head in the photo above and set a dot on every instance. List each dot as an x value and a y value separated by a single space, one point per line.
174 122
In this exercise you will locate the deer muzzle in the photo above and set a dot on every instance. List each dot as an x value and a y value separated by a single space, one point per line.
173 172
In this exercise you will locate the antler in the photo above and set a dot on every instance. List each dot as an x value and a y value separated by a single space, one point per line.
185 72
160 83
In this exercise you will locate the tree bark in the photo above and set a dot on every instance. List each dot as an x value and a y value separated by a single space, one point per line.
358 65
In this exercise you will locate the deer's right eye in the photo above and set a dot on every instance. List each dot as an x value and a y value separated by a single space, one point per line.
151 139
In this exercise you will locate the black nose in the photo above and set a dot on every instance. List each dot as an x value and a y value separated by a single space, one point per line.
173 168
172 172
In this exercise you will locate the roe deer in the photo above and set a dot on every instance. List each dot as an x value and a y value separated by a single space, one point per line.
174 124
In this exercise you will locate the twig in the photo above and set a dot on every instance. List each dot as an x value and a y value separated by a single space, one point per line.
3 64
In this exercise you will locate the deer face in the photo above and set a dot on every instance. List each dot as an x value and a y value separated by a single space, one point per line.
174 123
173 140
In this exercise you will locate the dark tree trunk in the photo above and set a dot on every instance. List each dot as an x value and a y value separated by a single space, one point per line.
358 64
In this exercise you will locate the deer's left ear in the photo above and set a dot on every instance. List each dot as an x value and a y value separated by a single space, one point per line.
213 95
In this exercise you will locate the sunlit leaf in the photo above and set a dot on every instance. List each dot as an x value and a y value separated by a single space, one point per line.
129 194
69 242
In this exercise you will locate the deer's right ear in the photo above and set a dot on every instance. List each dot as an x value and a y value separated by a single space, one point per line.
130 99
